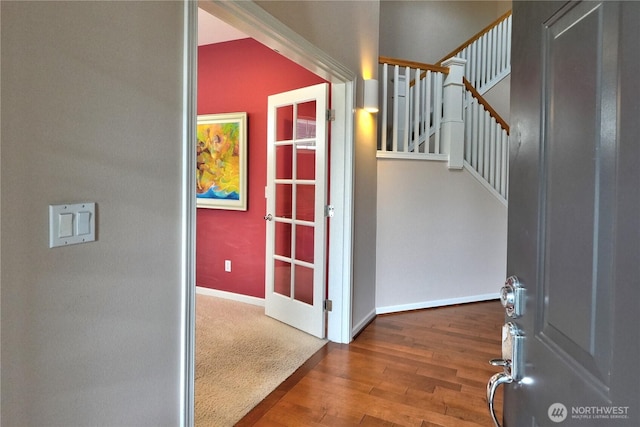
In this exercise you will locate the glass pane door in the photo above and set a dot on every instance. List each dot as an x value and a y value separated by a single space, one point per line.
296 197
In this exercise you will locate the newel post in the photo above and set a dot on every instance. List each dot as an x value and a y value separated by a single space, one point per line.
452 121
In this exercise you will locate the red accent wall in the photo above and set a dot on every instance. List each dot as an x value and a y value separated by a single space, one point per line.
239 76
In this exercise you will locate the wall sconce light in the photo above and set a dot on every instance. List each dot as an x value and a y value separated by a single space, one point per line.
370 96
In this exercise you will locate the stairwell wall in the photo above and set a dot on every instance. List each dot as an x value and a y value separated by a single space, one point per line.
442 237
426 31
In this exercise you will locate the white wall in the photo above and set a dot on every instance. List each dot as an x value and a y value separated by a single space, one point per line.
499 97
442 237
348 32
91 111
426 31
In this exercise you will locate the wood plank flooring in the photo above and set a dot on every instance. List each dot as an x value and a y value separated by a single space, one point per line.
426 368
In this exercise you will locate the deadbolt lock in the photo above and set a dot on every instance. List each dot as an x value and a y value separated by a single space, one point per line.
512 297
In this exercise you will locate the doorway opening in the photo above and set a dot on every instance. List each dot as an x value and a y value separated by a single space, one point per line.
261 26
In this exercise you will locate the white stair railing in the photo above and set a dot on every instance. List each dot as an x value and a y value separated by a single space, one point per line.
411 110
488 55
486 144
437 112
422 118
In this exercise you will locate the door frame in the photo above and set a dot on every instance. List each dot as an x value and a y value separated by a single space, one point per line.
263 27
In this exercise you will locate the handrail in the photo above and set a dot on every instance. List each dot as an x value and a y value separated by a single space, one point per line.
476 37
493 113
413 64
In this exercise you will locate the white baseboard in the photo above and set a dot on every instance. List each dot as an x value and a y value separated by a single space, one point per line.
436 303
363 323
230 295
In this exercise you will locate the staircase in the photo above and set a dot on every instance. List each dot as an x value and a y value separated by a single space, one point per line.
438 112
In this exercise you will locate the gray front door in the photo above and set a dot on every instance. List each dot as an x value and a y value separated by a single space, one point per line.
574 214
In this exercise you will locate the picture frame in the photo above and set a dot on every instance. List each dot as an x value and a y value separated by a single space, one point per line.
221 157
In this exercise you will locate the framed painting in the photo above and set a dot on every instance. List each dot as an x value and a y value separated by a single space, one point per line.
221 174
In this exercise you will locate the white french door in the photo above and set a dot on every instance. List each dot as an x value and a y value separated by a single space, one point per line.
296 198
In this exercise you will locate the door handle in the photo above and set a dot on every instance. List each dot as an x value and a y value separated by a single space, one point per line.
511 363
268 217
492 386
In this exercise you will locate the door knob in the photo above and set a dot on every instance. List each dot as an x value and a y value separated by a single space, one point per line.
268 217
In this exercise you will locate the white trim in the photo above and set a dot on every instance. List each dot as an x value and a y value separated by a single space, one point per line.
485 184
341 197
230 296
188 214
265 28
363 323
436 303
412 156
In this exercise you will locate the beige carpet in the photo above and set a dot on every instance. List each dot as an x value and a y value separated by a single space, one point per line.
241 356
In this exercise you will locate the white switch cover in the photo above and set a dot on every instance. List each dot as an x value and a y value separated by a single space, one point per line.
83 223
72 224
65 225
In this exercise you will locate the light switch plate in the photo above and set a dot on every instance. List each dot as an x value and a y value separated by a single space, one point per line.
72 224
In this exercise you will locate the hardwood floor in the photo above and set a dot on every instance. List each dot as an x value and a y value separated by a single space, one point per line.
421 368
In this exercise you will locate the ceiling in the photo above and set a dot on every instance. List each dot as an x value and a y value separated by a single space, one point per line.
212 30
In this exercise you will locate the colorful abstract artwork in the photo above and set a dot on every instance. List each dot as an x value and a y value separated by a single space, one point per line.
221 174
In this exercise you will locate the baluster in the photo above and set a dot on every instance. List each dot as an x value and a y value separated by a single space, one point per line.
385 106
407 103
506 36
437 112
474 133
427 111
487 57
487 144
465 55
416 113
468 121
494 54
480 75
481 58
485 61
498 49
498 180
421 126
396 94
473 64
480 141
503 49
421 107
478 79
492 153
508 49
505 163
496 59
